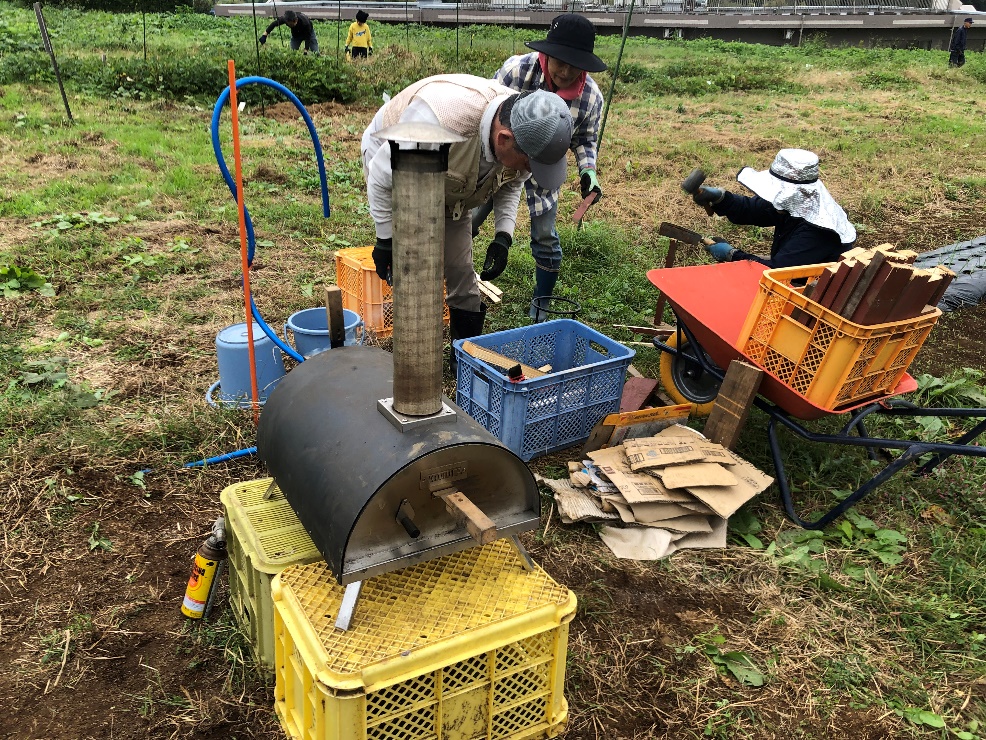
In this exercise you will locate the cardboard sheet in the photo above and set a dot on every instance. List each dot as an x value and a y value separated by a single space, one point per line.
696 474
645 543
635 487
725 500
682 524
658 454
652 511
574 505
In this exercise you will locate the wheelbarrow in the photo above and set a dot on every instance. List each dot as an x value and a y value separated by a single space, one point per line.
711 304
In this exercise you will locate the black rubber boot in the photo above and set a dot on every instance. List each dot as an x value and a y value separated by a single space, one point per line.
462 325
544 285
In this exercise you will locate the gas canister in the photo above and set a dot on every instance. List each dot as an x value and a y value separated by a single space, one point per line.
209 561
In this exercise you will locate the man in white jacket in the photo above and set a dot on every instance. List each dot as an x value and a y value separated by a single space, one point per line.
508 135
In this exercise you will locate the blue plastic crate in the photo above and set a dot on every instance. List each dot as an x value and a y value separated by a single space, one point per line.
558 410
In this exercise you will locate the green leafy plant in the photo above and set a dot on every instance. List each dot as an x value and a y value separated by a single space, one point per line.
97 542
735 662
15 280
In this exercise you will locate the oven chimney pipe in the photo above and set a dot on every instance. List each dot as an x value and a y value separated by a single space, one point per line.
419 160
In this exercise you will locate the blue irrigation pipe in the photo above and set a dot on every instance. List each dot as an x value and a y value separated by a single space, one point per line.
251 238
221 458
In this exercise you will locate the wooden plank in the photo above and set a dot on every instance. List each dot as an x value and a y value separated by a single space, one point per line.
602 433
333 312
662 332
636 391
840 273
852 277
732 406
881 299
947 277
904 256
490 296
497 360
913 298
480 527
489 286
862 286
812 291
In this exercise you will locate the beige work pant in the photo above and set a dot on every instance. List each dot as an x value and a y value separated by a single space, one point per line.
462 288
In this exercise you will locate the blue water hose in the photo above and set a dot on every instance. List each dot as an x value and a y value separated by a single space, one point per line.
231 183
251 238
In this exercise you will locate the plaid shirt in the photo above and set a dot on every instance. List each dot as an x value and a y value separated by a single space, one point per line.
523 72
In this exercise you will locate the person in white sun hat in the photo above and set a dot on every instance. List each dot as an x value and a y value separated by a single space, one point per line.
809 226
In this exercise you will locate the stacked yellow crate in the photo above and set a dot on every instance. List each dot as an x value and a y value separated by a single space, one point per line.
263 537
470 645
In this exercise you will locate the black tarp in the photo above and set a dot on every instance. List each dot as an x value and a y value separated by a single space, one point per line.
968 261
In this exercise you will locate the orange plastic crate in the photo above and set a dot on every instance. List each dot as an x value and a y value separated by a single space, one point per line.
364 292
834 362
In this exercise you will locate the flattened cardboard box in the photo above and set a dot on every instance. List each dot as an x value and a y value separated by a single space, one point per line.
696 474
725 500
635 487
574 505
661 453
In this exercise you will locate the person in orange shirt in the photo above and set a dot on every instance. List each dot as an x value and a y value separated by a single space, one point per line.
359 42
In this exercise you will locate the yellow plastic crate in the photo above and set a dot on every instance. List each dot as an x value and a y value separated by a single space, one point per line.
263 536
364 292
834 362
462 647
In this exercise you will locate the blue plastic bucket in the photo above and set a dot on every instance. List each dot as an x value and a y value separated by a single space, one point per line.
233 355
311 330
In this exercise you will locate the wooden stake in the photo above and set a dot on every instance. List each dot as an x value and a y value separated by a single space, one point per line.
333 310
733 403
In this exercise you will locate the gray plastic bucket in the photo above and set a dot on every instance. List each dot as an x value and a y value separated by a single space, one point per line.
311 330
233 356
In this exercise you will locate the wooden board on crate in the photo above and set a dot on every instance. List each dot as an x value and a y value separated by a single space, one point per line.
497 360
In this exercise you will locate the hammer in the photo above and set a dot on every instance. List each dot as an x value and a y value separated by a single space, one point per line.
693 182
677 234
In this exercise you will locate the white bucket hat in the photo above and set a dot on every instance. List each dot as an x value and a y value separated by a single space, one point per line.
792 185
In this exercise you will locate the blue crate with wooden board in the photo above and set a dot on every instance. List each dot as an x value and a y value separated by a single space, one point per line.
571 377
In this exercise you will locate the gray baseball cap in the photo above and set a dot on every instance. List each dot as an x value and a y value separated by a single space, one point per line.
542 126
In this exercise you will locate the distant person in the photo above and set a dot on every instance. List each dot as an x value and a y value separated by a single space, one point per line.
359 43
809 226
559 64
956 57
302 31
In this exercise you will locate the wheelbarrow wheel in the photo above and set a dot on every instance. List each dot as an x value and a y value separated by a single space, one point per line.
684 379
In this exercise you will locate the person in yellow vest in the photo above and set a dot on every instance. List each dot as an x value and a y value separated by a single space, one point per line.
359 42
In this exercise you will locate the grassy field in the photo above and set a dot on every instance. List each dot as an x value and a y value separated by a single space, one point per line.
125 244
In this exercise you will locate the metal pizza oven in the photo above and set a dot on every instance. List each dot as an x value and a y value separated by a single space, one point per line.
382 470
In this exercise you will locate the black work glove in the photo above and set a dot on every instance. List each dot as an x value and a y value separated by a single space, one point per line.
705 196
383 258
345 50
496 256
369 51
589 184
263 39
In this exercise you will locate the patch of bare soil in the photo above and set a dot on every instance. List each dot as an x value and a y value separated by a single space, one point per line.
93 643
958 340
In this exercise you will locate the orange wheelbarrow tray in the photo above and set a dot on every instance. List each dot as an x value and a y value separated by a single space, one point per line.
711 304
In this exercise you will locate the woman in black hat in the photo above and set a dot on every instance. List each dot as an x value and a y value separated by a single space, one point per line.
560 64
359 42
